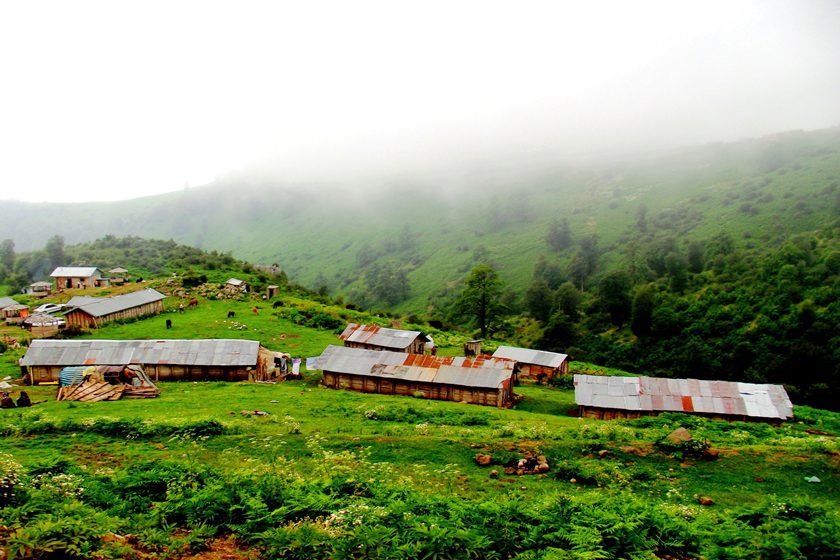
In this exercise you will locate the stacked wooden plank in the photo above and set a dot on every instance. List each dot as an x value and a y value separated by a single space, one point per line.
91 391
147 392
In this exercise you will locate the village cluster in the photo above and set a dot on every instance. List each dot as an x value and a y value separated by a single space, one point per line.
373 359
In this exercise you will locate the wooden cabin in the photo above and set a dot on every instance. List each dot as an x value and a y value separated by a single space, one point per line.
43 325
90 313
484 381
13 313
374 337
40 289
535 365
119 276
163 360
606 398
78 277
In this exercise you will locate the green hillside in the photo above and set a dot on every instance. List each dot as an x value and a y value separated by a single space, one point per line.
759 191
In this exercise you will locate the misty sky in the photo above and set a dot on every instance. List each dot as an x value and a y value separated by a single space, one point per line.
114 100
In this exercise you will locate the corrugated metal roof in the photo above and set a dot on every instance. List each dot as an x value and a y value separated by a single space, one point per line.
683 395
208 352
6 302
380 336
75 271
76 301
115 304
235 282
527 356
487 373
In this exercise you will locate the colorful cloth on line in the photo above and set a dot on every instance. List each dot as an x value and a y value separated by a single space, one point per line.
312 363
296 366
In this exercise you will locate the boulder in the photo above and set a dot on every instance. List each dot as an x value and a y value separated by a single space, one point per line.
680 435
483 460
705 501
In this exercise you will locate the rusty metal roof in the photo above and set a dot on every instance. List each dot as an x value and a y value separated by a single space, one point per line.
206 352
115 304
683 395
380 336
528 356
484 373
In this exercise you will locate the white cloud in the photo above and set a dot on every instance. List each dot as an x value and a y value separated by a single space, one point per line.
105 100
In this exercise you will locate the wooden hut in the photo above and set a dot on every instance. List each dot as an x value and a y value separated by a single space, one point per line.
78 277
13 313
40 289
163 360
119 276
535 364
374 337
485 381
43 325
472 347
237 285
97 311
607 397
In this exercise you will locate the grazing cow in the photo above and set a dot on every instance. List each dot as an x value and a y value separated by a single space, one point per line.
231 314
169 323
193 303
277 304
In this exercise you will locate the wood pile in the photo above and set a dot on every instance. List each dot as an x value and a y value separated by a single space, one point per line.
130 382
91 391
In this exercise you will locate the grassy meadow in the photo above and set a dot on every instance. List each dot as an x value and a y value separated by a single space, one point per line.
318 473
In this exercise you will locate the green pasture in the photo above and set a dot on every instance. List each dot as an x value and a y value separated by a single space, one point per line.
206 467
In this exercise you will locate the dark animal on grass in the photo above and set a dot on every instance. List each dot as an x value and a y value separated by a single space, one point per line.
24 400
193 303
169 323
277 304
6 401
231 314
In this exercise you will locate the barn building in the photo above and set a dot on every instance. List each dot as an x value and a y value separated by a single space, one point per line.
632 397
163 360
90 313
374 337
483 380
535 364
78 277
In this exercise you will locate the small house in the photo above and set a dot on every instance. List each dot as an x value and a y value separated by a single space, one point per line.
608 397
237 285
13 312
485 380
40 289
78 277
163 360
535 364
97 311
374 337
119 276
43 325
